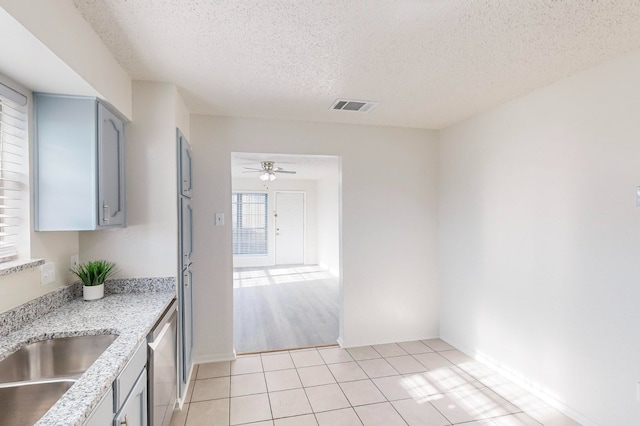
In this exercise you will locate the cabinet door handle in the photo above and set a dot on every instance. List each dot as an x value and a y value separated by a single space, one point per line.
126 421
105 213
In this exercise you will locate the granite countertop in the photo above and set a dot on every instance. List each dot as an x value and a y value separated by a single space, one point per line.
130 315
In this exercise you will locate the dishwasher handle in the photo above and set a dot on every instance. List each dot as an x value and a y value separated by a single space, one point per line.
154 345
165 318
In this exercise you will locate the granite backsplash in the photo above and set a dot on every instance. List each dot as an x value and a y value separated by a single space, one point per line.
36 308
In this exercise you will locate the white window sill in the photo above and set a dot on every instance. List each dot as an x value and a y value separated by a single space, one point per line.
14 266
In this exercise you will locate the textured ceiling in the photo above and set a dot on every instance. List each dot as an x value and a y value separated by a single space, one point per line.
429 63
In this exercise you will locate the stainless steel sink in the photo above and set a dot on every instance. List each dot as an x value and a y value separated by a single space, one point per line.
59 357
33 378
25 404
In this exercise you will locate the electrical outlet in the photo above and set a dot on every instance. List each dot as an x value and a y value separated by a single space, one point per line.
74 262
47 273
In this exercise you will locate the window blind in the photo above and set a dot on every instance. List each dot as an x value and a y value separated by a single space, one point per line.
249 223
13 141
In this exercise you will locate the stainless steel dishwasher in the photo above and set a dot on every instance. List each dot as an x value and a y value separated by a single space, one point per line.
162 371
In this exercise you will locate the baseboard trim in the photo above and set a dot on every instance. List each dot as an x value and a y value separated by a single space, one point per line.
340 342
333 272
525 384
180 401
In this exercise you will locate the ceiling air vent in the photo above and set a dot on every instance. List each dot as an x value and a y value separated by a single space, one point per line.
355 106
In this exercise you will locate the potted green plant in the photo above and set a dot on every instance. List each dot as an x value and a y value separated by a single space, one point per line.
93 275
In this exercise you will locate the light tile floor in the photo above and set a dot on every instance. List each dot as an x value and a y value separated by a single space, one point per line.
425 382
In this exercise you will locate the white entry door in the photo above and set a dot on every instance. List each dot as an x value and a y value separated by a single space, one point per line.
289 228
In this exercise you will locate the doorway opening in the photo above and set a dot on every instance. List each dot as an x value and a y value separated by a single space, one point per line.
286 251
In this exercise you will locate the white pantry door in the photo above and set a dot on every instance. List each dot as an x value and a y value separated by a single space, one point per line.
289 228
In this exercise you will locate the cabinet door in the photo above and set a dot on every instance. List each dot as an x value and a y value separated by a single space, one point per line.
186 325
65 152
186 232
134 410
185 172
185 291
111 198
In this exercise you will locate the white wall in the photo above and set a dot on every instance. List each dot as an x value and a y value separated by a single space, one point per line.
29 56
57 247
540 240
63 30
147 247
328 222
309 187
389 224
182 115
21 287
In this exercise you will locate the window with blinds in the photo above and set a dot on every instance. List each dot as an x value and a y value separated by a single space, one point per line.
249 213
13 142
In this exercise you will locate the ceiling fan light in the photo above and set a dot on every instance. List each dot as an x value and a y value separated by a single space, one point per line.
265 176
272 176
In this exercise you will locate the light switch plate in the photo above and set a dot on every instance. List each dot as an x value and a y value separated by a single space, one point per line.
219 219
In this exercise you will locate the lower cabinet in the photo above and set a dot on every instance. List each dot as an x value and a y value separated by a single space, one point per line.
126 402
134 410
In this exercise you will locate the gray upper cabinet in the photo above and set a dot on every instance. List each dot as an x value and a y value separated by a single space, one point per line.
186 179
79 164
110 168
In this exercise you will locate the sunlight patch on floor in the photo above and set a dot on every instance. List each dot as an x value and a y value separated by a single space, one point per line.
418 387
265 277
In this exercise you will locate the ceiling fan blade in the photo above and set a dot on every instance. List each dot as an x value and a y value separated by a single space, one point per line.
252 171
253 168
285 171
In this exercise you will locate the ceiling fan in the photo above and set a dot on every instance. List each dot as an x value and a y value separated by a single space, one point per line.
268 171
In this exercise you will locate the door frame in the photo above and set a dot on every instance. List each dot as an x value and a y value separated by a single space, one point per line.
304 224
340 271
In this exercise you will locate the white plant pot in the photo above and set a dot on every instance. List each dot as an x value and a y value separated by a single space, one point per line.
93 292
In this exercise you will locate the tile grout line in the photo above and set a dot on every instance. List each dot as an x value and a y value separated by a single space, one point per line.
264 377
376 386
229 405
385 396
303 389
295 367
339 387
